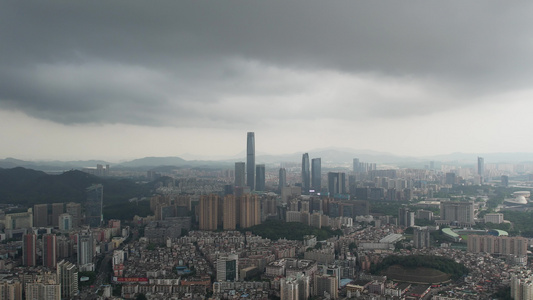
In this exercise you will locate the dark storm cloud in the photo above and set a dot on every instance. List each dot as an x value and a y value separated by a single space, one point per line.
190 62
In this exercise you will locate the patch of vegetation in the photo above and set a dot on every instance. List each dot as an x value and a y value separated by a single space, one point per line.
291 230
386 208
443 264
503 294
90 274
121 211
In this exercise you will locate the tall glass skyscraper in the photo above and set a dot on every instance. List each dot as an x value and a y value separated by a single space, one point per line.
93 205
240 170
306 174
481 168
316 174
260 177
250 160
282 179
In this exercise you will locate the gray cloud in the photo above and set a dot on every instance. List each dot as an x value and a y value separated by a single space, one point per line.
205 63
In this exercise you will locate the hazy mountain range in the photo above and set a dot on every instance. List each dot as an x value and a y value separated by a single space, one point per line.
328 155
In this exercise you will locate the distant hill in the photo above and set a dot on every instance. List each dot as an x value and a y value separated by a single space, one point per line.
27 187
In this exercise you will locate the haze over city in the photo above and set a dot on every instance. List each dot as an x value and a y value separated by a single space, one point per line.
127 79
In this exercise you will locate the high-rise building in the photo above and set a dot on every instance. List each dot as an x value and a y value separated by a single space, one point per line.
228 267
11 289
325 285
29 249
67 276
336 183
208 212
451 178
230 213
260 177
282 179
421 238
74 209
65 222
460 213
240 171
505 180
406 218
49 250
250 160
356 165
481 168
316 174
250 210
93 205
57 210
40 215
49 290
306 174
86 251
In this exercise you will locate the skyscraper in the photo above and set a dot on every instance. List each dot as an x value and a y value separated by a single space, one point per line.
250 160
481 168
67 275
29 250
57 210
356 165
260 177
74 209
86 251
240 171
93 206
282 179
336 183
306 174
49 250
316 174
40 215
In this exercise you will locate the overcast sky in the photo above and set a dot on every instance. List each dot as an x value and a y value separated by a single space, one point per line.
127 79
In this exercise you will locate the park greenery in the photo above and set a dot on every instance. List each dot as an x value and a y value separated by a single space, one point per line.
443 264
275 230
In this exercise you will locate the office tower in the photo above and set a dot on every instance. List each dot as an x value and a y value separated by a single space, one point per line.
250 160
29 249
57 209
306 174
481 168
93 206
86 251
208 212
356 165
336 183
260 177
240 171
40 215
450 178
250 210
74 209
49 250
432 165
67 276
65 222
282 179
316 174
230 213
460 213
505 180
228 267
421 238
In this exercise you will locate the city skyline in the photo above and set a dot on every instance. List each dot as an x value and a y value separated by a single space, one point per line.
159 81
